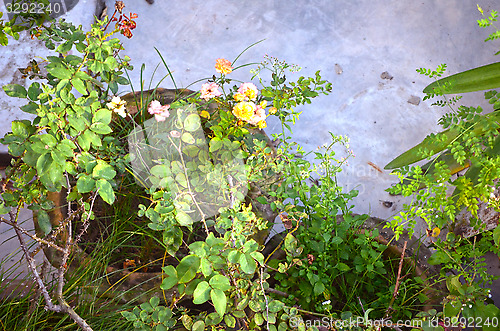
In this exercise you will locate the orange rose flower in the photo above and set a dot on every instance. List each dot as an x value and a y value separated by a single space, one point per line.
223 66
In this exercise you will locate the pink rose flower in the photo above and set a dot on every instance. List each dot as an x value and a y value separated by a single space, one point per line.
249 90
209 91
160 112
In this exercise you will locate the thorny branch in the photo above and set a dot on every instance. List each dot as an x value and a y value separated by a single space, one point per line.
396 288
63 306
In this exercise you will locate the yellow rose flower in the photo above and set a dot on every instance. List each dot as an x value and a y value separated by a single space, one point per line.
239 97
251 94
273 110
244 110
262 124
263 104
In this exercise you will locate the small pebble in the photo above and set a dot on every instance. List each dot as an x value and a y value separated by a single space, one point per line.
338 69
414 100
386 75
387 204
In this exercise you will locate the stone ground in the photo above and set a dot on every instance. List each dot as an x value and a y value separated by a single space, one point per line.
368 49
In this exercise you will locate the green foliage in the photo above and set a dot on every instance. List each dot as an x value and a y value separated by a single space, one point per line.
470 142
22 19
331 264
66 124
150 316
204 180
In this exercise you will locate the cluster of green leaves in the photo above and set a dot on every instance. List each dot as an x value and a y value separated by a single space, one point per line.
331 265
151 316
70 135
470 141
221 270
22 20
488 21
286 96
469 293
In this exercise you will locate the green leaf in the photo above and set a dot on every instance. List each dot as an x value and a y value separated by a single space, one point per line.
220 282
183 218
319 288
154 301
43 163
258 319
106 191
85 183
250 246
15 91
496 235
215 144
64 47
188 138
198 326
206 267
230 321
61 85
103 116
438 257
161 170
342 267
234 256
187 268
247 263
160 327
129 316
100 128
43 219
111 63
192 122
478 79
202 293
103 170
437 145
258 257
170 279
122 80
452 309
59 72
276 306
85 139
30 108
4 41
34 91
219 300
22 128
79 86
213 319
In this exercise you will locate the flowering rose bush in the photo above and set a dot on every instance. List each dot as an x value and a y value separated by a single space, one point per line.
191 176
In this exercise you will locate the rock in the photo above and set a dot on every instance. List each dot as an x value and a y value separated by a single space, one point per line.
338 69
414 100
386 75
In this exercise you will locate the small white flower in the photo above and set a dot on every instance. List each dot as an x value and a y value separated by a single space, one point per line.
117 105
121 111
327 302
